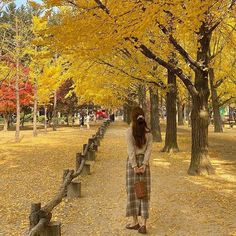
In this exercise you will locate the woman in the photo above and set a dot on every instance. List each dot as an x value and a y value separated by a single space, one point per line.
139 142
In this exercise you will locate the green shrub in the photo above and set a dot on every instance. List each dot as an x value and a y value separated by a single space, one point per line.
28 117
61 120
41 119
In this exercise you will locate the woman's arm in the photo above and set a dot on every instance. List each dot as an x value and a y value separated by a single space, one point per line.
131 148
148 151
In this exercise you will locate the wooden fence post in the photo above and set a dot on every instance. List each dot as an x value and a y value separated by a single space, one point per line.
86 170
78 159
65 172
90 142
98 140
95 147
74 189
85 154
52 229
91 155
34 219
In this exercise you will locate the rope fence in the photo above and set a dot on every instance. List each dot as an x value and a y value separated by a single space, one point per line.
40 217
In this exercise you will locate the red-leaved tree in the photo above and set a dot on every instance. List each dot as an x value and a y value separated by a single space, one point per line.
8 98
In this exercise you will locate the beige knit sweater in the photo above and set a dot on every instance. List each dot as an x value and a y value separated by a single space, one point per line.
134 150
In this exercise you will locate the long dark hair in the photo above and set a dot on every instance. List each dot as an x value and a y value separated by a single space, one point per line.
139 126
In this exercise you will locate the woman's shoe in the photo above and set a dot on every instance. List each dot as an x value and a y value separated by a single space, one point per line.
142 230
135 227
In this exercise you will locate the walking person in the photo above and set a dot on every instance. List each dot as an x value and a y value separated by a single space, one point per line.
139 144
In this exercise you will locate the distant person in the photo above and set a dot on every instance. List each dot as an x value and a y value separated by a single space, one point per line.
78 118
112 117
139 143
87 121
81 119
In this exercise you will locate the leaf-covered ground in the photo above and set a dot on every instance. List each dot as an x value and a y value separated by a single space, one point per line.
181 205
31 171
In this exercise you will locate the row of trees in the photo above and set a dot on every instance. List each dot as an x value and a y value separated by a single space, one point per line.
114 52
31 74
182 47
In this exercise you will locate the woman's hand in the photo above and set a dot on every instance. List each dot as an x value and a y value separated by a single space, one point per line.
142 169
136 170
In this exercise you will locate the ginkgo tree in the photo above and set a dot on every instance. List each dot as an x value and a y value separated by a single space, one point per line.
157 30
51 78
15 34
46 71
222 70
39 55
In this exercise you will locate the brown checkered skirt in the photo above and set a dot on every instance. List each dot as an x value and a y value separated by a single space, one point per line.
135 206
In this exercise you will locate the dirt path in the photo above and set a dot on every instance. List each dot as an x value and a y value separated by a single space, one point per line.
180 205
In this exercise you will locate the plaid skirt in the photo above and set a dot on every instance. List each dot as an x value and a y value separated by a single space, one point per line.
135 206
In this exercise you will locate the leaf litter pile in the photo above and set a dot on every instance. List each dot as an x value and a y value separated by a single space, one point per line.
180 204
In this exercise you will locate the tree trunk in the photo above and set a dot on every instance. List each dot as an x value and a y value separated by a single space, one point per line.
142 97
6 121
215 104
17 90
171 127
125 115
9 123
35 108
200 163
23 119
180 107
45 118
54 119
67 120
17 133
188 109
127 112
161 107
155 119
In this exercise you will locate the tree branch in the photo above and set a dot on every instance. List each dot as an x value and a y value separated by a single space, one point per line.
102 6
159 84
219 82
190 61
176 70
226 101
233 2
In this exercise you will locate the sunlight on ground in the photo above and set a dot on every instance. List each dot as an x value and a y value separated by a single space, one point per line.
31 171
161 163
